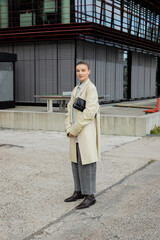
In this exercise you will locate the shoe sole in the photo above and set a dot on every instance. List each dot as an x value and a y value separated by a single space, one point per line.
73 200
86 206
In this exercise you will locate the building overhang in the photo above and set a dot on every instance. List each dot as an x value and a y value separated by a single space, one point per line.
76 31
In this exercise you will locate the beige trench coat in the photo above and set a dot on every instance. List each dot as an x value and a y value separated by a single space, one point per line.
86 126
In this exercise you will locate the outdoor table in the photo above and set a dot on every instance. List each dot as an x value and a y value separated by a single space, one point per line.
50 98
62 101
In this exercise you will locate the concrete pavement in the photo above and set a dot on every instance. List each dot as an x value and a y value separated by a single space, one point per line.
36 177
128 210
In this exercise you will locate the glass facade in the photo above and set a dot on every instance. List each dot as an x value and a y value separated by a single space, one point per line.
33 12
126 16
27 13
131 17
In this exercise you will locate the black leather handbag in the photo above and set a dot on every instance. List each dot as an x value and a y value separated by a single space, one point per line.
79 104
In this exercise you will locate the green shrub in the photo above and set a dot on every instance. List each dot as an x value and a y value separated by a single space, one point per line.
155 130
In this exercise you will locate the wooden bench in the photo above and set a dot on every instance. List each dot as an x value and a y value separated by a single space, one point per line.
153 110
61 98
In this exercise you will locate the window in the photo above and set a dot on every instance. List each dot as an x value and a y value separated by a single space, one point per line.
135 19
97 11
84 10
149 26
27 13
125 19
3 13
21 13
65 11
50 8
108 13
117 15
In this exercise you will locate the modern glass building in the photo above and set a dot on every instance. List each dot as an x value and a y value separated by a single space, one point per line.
119 39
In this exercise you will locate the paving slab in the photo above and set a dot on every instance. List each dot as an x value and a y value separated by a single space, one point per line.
36 177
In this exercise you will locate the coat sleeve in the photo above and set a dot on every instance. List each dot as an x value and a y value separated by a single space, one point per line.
89 112
68 120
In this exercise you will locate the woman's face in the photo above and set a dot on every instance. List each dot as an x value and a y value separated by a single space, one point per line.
82 72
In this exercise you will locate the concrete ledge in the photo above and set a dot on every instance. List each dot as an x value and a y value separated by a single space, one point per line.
32 120
110 124
152 120
129 125
123 125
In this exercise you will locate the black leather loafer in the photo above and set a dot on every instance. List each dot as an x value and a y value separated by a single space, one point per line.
74 197
87 202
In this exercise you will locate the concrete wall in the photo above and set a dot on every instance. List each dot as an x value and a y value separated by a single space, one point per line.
129 125
151 121
123 125
112 125
32 120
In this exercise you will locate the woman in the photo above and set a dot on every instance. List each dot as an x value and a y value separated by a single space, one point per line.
83 129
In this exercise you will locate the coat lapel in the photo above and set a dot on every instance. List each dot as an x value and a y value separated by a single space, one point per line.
75 90
82 89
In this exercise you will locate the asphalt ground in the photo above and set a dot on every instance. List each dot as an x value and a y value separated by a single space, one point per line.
36 177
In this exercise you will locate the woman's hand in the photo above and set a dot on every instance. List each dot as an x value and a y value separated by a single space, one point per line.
69 135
